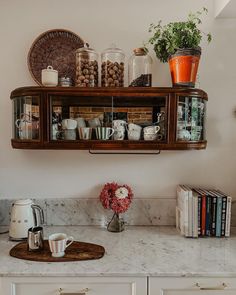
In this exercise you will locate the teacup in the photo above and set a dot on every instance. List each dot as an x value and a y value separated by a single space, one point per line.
69 124
152 136
134 134
95 122
58 243
117 124
151 129
80 122
69 134
104 133
183 134
85 133
119 133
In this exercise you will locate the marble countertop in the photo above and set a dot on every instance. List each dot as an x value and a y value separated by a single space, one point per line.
138 251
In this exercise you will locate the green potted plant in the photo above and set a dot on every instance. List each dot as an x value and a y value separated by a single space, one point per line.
179 44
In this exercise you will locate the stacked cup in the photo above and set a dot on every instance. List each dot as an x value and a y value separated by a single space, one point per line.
119 129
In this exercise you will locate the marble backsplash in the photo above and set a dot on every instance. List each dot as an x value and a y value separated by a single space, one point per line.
151 211
154 211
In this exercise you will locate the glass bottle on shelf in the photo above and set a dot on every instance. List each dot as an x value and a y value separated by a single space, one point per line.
112 71
140 69
86 67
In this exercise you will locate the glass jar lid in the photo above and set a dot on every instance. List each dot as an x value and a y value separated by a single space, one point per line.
86 49
140 51
113 49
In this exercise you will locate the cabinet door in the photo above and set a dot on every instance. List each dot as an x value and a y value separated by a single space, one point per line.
75 286
192 286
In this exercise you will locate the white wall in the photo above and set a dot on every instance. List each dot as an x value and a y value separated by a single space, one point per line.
31 173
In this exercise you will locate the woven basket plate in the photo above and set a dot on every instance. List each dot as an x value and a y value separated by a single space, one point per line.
54 48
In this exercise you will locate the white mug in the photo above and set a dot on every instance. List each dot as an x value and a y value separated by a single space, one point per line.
49 77
69 124
119 133
117 124
134 134
132 126
58 243
80 122
95 122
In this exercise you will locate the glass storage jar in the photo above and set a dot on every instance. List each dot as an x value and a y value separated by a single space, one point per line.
112 71
86 67
140 69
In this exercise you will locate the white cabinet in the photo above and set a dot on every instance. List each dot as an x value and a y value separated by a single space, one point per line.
74 285
192 286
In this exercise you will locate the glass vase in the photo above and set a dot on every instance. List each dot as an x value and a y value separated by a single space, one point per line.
116 224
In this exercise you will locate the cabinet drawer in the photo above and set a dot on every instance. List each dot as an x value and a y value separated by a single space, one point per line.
75 286
192 286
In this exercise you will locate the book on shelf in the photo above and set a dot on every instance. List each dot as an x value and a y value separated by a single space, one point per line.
203 212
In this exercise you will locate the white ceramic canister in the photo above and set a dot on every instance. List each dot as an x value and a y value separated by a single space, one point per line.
49 77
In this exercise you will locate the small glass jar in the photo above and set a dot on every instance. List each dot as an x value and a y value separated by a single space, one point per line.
113 66
86 67
140 69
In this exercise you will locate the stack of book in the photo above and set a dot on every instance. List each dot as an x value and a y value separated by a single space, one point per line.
203 212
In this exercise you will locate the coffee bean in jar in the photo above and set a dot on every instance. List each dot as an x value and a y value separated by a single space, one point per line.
86 67
112 69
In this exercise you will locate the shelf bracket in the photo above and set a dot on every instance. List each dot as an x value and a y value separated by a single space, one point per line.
100 152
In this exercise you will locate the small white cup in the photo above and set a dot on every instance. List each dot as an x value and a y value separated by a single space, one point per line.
49 77
69 124
95 122
80 122
58 243
151 129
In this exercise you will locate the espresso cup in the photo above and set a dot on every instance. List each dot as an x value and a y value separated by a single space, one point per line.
49 77
58 243
104 133
69 124
85 133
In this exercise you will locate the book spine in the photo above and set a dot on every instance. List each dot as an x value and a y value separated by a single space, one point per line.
223 215
218 216
228 217
208 215
203 215
195 216
199 215
213 215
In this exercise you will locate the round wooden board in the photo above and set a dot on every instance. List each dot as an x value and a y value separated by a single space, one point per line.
75 252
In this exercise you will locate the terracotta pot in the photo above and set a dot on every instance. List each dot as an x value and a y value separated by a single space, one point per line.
184 66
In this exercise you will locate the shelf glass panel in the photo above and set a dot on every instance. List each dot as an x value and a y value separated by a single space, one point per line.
26 118
79 117
191 112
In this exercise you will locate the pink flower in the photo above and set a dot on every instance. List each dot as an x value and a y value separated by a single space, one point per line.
116 197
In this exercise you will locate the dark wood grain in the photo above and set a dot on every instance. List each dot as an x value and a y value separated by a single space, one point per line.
75 252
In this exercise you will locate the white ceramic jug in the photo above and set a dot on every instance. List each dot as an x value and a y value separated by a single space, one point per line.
23 217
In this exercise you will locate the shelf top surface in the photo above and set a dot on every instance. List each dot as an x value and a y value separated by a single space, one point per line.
107 91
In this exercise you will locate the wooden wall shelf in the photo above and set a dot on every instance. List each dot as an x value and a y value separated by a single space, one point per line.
180 109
